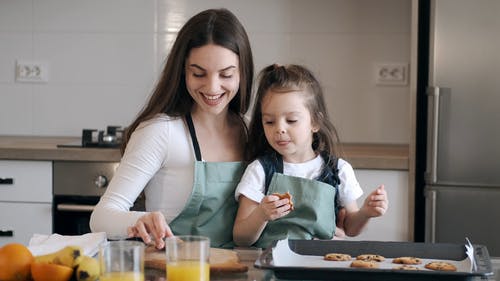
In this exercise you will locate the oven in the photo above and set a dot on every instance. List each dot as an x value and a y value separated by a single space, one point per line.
78 185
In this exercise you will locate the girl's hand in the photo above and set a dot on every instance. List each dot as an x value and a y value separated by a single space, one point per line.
376 203
274 208
151 226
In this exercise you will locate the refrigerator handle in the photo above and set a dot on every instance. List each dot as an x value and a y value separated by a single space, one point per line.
433 94
430 217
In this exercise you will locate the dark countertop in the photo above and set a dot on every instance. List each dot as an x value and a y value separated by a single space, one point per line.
360 156
248 257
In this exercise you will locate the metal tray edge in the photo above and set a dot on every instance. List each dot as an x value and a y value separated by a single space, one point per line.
484 268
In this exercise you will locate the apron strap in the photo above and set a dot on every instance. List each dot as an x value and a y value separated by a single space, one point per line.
330 175
192 132
272 163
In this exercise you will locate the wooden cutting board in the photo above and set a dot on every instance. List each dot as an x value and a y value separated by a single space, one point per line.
221 260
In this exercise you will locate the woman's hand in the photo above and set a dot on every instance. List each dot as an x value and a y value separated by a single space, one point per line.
151 227
274 208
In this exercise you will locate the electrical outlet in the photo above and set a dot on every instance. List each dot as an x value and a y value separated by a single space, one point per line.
391 74
32 71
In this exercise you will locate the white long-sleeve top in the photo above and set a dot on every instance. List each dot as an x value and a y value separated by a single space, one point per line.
159 159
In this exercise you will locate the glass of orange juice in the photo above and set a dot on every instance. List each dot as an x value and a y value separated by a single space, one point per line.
187 258
121 260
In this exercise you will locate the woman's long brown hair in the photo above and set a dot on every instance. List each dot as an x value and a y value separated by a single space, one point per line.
170 96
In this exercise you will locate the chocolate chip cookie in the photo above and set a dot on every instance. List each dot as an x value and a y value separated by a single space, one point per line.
364 264
370 257
441 266
406 267
407 260
337 257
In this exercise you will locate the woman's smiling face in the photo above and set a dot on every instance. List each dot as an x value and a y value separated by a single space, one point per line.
212 77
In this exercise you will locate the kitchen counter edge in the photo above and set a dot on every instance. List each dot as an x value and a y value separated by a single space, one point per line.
359 155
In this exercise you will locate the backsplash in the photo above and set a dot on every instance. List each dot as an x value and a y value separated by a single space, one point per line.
103 57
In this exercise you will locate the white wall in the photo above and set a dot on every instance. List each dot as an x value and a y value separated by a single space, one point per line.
104 57
394 224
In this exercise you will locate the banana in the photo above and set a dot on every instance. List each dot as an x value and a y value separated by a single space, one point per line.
88 269
68 256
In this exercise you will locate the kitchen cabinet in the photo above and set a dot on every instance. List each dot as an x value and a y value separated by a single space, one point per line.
394 225
25 200
373 163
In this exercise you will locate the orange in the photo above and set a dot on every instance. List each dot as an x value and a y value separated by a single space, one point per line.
15 261
50 272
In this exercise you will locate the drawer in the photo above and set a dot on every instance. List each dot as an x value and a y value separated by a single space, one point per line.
25 181
19 221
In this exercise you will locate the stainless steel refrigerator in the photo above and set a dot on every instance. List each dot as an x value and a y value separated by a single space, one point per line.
462 165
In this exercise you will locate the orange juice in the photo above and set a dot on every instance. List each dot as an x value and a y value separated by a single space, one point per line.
122 276
188 271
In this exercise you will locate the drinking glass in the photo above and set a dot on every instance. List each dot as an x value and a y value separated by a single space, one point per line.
187 258
121 260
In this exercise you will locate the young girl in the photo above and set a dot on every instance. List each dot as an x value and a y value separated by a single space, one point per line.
294 148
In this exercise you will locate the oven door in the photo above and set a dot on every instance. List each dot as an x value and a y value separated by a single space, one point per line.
78 186
71 214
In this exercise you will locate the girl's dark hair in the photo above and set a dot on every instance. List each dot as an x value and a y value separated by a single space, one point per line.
284 79
213 26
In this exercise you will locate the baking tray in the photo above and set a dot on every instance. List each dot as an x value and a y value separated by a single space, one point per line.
438 251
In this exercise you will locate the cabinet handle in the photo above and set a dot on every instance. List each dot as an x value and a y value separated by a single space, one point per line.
6 181
6 233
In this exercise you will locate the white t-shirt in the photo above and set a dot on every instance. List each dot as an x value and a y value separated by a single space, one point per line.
252 184
159 159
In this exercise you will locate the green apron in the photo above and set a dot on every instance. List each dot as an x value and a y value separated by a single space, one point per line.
313 215
211 208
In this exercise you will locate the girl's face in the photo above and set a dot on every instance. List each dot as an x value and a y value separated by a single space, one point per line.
212 77
288 125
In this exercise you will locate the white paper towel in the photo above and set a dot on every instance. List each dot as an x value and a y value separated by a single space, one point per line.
41 244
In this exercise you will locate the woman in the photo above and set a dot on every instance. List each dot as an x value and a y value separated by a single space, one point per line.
185 148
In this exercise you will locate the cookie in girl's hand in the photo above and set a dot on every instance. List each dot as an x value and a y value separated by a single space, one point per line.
285 195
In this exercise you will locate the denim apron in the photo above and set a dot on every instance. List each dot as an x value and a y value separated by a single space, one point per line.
211 208
314 210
